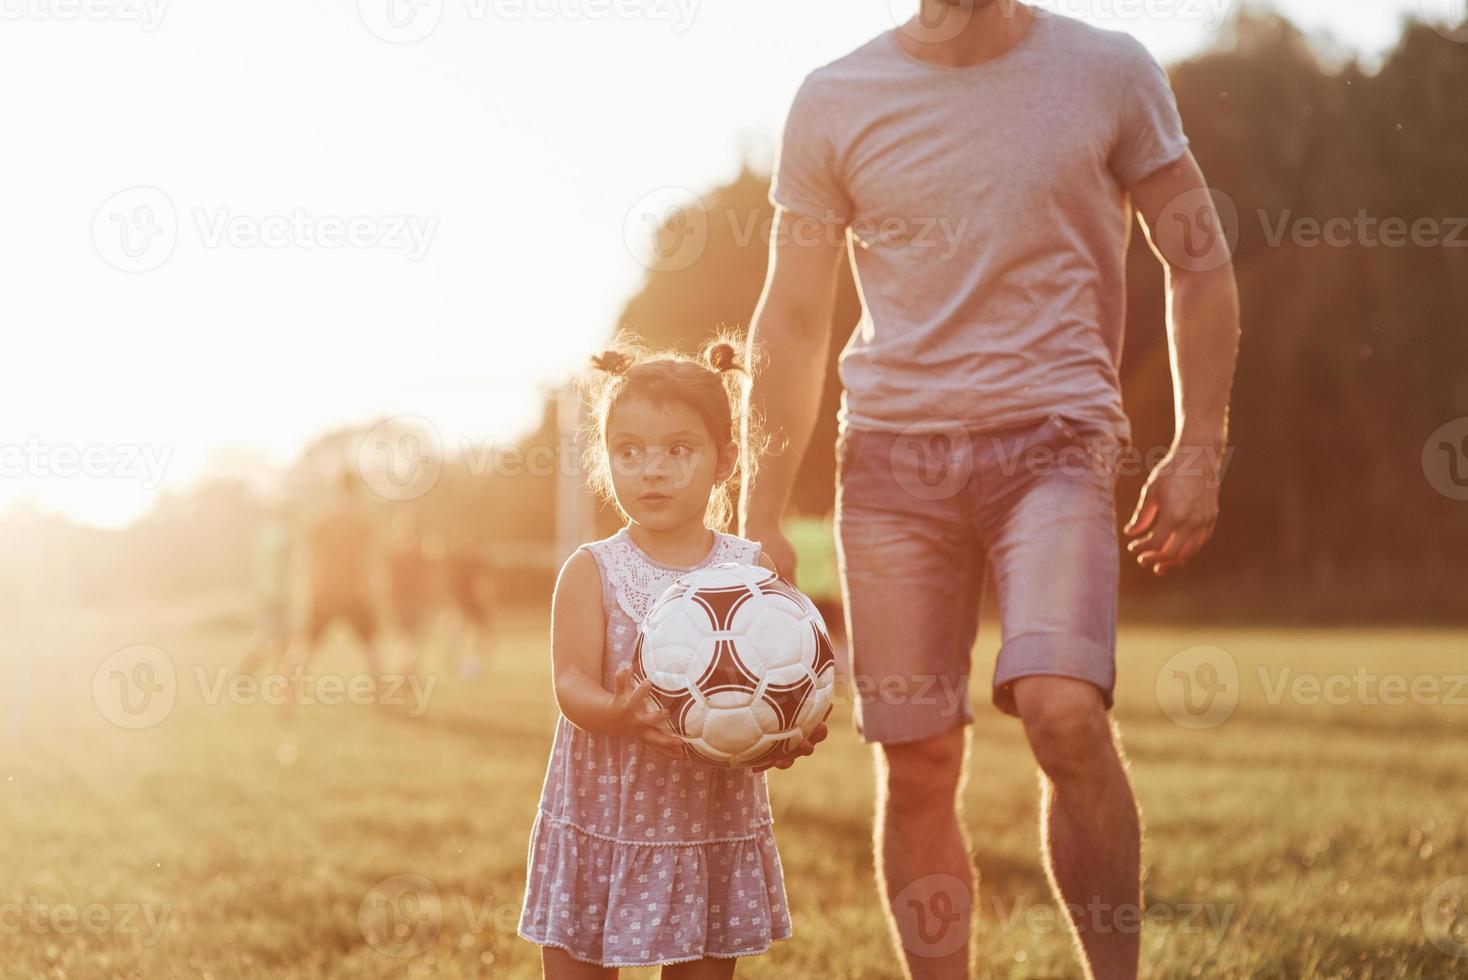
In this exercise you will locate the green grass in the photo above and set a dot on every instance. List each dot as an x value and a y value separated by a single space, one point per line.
1317 830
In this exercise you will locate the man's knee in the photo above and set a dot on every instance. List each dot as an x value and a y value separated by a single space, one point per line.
1066 723
924 776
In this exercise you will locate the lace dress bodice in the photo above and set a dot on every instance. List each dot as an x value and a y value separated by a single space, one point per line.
632 581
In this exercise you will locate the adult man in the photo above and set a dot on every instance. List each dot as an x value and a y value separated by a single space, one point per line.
983 161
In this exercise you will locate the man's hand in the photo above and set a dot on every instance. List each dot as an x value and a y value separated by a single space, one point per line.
1179 504
804 748
775 545
1176 511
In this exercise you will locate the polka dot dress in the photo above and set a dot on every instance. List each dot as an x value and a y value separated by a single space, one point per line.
635 858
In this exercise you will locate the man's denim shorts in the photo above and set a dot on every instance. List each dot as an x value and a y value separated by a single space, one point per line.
920 521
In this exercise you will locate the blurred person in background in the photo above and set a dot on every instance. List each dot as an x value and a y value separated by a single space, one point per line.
342 555
471 600
273 579
414 573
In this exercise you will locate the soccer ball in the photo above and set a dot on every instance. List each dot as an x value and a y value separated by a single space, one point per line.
741 661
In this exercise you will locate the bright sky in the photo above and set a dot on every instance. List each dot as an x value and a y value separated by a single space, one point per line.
482 176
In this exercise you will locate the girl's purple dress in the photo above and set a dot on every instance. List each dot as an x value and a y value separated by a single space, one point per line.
636 858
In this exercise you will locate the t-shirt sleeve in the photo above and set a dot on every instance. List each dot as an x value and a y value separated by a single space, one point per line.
807 179
1150 132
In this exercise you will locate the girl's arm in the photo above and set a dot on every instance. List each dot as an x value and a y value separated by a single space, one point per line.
578 638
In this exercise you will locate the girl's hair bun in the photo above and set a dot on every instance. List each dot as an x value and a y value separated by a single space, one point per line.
720 357
612 361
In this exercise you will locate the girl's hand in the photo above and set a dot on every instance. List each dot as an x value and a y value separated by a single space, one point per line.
637 714
806 747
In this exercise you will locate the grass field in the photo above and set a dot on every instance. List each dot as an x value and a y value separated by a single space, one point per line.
1291 840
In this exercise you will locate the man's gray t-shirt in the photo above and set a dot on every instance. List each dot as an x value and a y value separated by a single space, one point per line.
987 215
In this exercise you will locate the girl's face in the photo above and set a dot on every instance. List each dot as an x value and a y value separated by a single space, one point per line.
663 461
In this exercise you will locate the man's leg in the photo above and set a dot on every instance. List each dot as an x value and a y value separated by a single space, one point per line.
1089 824
1049 517
923 869
911 571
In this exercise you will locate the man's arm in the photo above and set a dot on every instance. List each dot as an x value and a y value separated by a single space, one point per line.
792 328
1178 507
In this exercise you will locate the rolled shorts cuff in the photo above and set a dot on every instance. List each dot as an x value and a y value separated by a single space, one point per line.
882 721
1054 655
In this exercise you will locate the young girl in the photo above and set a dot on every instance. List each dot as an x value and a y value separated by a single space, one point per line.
640 856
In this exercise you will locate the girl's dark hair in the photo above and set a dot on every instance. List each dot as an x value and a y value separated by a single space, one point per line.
712 384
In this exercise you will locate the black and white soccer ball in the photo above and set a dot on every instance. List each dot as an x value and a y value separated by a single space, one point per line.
741 661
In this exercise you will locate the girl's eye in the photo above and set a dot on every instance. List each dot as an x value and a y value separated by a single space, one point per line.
627 452
682 449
